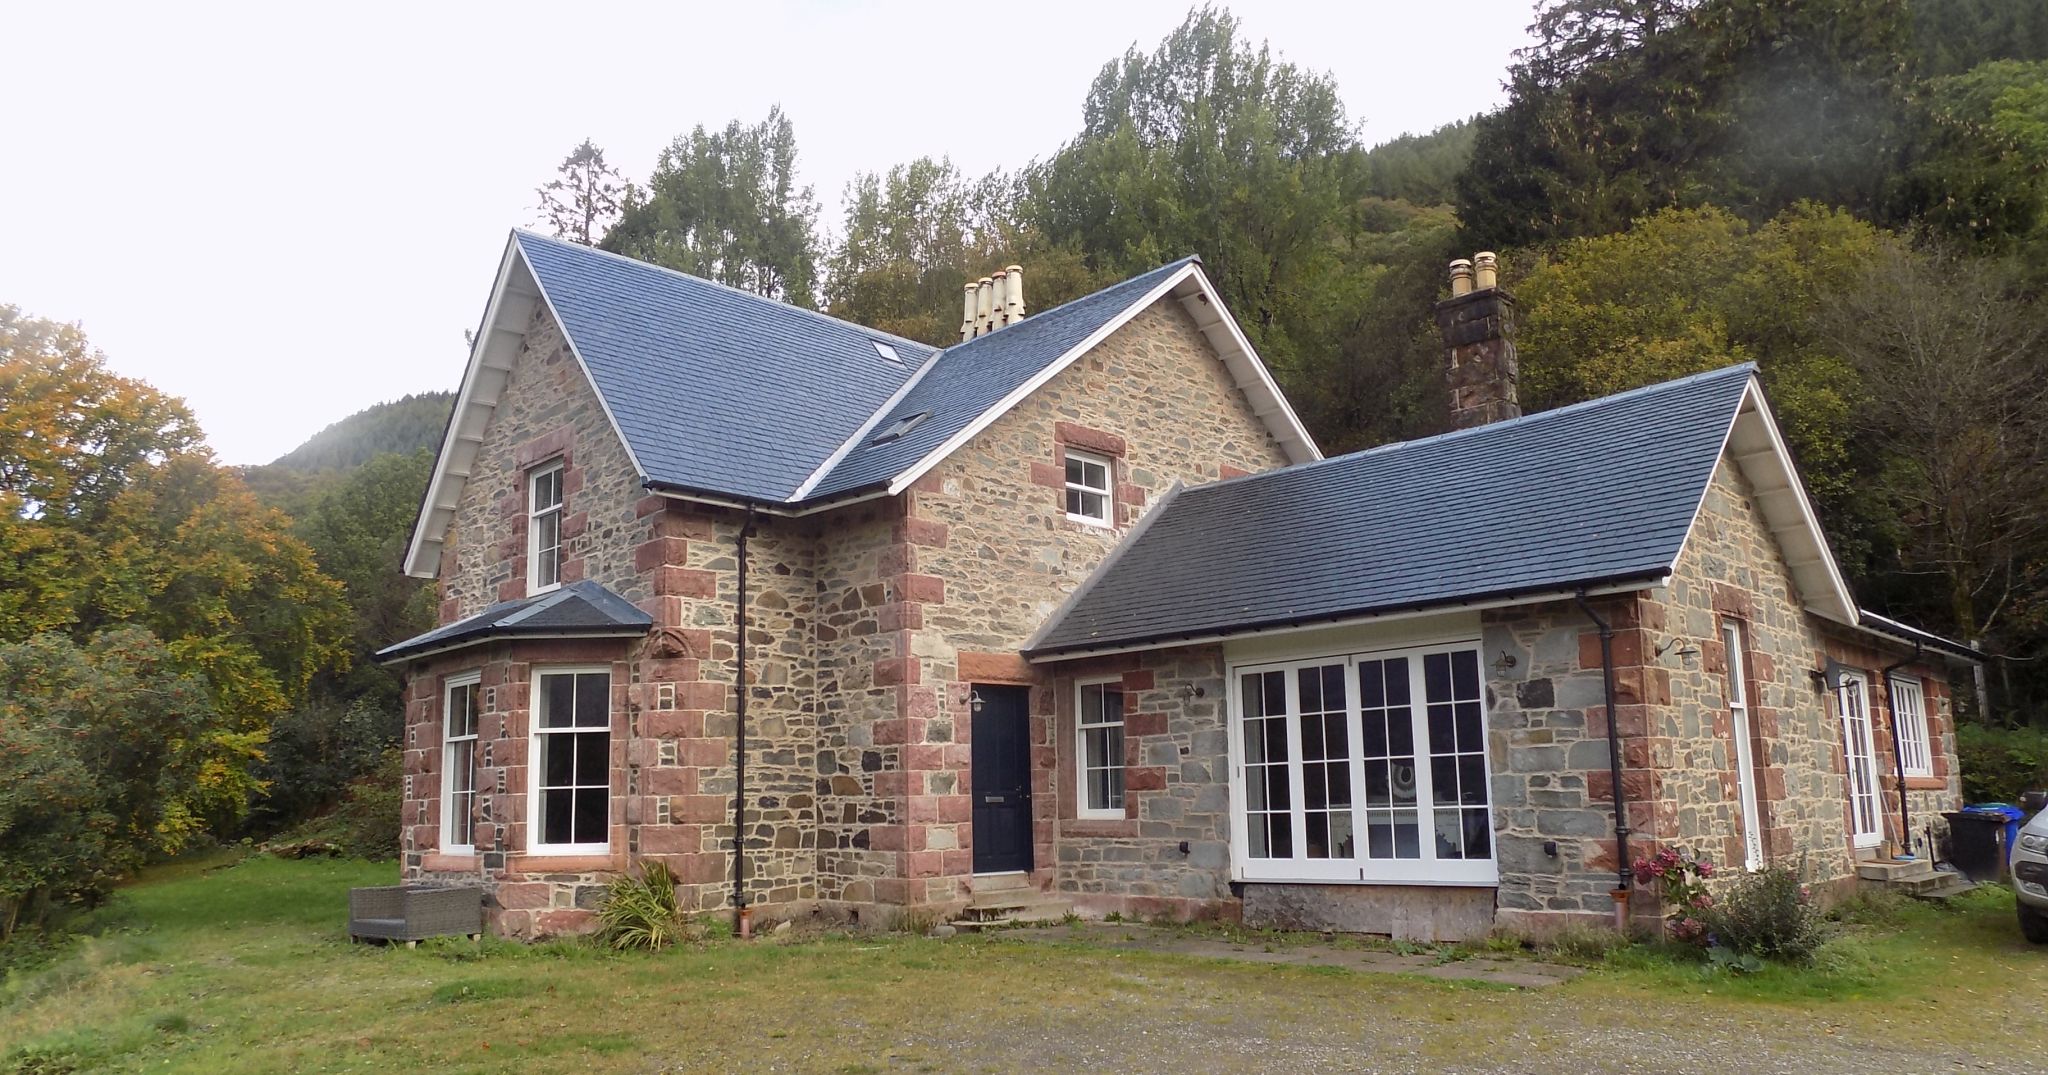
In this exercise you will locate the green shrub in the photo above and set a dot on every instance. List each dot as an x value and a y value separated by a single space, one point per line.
1999 763
369 814
641 912
1767 914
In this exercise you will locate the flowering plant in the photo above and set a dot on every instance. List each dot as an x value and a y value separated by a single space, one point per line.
1684 880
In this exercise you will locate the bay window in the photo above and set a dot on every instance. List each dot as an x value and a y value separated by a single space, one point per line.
570 771
1365 767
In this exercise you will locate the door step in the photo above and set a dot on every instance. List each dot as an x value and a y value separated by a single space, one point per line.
1011 905
1912 877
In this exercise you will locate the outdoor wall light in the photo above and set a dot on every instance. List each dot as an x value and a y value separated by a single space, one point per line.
974 702
1189 690
1503 663
1686 650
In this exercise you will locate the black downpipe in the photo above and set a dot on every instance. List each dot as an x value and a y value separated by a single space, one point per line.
739 794
1623 874
1891 703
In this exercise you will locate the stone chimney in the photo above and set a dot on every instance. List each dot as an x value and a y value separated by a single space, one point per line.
992 302
1478 327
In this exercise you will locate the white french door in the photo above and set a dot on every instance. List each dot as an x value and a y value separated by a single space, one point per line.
1866 820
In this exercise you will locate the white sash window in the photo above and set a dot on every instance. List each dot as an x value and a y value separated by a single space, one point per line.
1362 768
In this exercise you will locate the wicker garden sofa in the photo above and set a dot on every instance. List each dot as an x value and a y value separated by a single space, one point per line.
411 913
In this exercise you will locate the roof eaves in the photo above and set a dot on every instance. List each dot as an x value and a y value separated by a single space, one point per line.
464 398
1886 627
402 652
1606 584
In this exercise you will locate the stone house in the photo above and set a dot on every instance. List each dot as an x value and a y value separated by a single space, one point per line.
830 621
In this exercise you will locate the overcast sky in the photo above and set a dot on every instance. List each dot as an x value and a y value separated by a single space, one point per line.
287 212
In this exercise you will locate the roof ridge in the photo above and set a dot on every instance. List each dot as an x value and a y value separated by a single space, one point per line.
740 291
1522 421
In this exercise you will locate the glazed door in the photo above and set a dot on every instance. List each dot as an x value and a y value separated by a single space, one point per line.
1001 756
1865 818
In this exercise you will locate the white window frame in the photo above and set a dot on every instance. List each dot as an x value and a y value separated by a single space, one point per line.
472 682
1734 642
1107 491
1916 740
535 512
1858 729
536 760
1082 810
1358 869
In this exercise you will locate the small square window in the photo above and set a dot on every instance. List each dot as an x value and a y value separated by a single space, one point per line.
1088 491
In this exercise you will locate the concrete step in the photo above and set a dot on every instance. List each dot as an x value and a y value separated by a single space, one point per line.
1051 912
1947 886
1894 871
1011 905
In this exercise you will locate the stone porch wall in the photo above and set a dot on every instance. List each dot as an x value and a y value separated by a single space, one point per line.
1170 854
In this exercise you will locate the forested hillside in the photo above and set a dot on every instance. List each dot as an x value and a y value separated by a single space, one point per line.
1852 193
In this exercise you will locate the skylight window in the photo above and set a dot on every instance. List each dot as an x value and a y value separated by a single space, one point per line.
886 351
900 426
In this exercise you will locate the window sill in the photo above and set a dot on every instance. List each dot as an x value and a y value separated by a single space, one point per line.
566 861
1098 826
1093 523
1926 783
453 860
536 591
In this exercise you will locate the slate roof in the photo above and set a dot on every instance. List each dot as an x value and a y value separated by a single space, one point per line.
1598 492
722 391
579 608
713 388
969 378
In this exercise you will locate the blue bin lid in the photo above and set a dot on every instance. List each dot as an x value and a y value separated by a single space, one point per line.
2001 810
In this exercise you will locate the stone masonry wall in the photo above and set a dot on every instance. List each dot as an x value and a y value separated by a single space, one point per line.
1732 569
1547 745
546 411
1170 854
922 601
673 775
1549 726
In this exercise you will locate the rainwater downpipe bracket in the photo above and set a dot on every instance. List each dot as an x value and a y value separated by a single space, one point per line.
1620 893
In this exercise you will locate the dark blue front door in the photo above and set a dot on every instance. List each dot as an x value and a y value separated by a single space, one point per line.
1001 779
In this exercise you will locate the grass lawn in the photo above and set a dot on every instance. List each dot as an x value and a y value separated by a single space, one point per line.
244 969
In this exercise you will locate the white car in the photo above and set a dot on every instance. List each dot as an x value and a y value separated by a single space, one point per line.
2030 877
